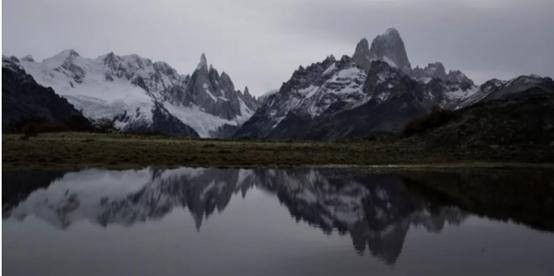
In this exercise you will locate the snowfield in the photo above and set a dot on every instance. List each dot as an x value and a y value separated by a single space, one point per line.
125 89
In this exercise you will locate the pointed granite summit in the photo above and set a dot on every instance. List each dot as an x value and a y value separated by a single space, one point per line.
215 93
361 55
389 47
203 64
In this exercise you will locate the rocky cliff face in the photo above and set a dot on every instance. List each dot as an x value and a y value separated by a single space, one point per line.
389 47
26 102
214 92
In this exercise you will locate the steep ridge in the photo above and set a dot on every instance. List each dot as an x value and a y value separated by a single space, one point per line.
375 91
136 93
26 102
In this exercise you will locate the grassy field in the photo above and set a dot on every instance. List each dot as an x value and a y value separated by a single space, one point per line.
77 150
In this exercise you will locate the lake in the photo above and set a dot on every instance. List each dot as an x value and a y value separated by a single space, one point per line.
306 221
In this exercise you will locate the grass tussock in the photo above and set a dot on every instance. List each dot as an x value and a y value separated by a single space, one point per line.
78 150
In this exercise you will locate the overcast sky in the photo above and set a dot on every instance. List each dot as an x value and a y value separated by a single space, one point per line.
260 43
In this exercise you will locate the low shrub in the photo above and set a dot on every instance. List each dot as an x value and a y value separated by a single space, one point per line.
433 120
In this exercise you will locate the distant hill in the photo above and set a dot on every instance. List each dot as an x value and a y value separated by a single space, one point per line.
517 112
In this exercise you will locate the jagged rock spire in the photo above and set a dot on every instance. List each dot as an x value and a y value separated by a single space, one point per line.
203 62
389 47
361 55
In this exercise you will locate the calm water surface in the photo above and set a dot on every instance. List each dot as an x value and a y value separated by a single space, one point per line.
191 221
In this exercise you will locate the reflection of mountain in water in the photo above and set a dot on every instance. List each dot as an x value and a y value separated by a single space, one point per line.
127 197
19 184
375 210
202 191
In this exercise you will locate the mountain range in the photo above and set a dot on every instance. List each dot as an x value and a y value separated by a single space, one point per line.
139 95
375 91
24 101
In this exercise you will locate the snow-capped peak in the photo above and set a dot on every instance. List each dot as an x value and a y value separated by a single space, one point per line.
136 93
67 54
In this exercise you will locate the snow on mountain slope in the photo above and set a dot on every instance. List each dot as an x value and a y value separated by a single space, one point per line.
316 89
344 86
130 89
204 123
83 82
24 102
374 90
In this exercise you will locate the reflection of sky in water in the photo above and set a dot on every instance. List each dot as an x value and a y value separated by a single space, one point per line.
208 221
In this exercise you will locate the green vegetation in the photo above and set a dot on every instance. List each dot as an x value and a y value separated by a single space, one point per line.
77 150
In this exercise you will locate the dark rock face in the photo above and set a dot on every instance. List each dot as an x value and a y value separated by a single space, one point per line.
390 47
433 70
214 92
24 101
362 56
165 123
437 71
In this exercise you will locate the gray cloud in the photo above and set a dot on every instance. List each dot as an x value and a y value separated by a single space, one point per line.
259 43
